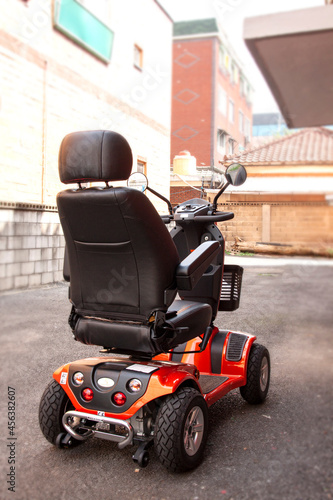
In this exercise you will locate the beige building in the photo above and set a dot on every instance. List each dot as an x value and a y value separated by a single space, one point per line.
65 66
287 197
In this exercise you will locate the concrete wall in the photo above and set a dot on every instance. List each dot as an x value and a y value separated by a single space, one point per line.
300 219
31 248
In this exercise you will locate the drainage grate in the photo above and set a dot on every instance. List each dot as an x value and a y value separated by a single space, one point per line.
235 346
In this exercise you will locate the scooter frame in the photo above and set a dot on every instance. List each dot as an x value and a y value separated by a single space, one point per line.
213 364
166 377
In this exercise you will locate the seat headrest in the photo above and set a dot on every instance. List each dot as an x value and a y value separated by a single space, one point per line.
92 156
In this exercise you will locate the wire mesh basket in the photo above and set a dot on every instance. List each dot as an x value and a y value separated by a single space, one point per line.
231 288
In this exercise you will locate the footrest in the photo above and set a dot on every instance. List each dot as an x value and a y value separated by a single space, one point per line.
235 347
208 382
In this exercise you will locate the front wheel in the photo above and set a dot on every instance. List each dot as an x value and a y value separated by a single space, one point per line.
181 430
258 375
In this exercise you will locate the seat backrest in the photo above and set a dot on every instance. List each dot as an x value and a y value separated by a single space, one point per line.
122 259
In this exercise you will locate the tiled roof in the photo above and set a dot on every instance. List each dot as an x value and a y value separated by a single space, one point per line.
195 27
308 146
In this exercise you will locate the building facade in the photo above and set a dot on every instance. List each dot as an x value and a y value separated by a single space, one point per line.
211 105
68 65
268 126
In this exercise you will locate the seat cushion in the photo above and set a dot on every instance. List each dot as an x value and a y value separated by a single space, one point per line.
196 316
131 338
120 337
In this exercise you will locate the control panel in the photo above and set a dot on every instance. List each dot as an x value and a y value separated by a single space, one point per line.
191 209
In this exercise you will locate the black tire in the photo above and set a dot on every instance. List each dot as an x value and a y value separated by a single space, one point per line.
178 445
258 375
54 403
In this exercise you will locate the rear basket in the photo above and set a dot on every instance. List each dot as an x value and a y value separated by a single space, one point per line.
231 288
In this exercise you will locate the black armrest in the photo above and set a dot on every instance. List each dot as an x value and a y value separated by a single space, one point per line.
166 218
194 265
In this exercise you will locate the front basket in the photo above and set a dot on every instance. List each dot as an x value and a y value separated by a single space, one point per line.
231 288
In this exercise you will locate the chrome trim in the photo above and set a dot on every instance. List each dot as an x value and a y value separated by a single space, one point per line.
77 415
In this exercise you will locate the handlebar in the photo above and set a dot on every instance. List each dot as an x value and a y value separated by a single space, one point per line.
217 217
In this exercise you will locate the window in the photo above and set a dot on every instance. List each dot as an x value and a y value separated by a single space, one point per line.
221 141
100 9
138 57
247 131
241 85
241 121
79 22
221 57
141 166
222 100
224 60
231 145
231 111
234 73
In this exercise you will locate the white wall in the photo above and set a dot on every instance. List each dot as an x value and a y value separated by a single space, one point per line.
51 86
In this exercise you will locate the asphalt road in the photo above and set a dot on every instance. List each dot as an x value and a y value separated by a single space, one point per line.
282 449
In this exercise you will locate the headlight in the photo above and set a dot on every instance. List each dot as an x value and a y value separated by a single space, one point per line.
134 385
78 378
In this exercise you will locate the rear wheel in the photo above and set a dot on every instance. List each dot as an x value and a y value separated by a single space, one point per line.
181 430
258 375
53 405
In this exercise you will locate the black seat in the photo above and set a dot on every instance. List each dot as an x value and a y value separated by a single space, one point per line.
123 264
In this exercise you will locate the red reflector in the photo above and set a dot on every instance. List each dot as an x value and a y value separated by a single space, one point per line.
119 399
87 394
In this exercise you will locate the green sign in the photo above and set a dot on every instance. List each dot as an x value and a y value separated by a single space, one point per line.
79 24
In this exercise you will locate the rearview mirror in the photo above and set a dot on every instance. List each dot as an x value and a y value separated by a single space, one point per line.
138 181
236 174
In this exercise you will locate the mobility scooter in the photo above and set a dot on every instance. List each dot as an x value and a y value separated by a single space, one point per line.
148 297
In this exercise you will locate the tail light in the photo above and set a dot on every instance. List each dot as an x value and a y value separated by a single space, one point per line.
87 394
119 398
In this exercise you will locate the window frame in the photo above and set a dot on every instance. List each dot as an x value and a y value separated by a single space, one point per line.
221 135
231 114
142 161
241 121
222 98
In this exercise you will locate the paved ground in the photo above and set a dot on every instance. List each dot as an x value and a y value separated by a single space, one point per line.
280 450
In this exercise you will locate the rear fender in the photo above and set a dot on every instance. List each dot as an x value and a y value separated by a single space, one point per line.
167 378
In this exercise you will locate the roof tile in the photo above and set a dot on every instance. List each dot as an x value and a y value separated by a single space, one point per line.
309 145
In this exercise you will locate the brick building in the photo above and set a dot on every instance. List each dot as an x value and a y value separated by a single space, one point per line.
64 66
211 105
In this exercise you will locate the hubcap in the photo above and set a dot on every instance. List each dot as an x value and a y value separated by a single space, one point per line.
264 371
193 431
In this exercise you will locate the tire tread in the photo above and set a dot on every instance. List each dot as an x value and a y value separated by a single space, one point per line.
51 411
251 392
169 427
